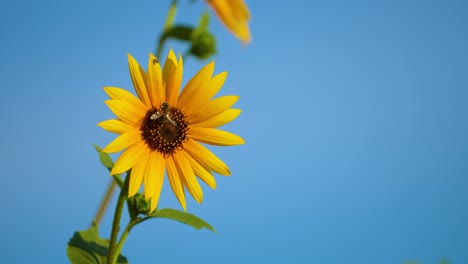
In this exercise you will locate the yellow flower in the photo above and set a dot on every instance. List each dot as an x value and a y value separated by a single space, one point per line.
161 129
234 14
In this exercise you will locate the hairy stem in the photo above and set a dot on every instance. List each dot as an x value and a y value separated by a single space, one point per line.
112 256
123 238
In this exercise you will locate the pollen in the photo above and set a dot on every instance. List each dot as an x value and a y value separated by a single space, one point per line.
164 129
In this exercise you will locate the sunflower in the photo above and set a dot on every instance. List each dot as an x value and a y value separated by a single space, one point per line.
235 15
161 130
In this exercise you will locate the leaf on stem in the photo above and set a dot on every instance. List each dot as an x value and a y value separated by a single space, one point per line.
87 247
179 32
106 160
183 217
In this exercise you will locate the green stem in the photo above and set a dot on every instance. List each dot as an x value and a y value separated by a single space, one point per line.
112 257
171 13
124 236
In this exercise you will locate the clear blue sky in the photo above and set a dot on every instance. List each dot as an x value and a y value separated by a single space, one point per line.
355 115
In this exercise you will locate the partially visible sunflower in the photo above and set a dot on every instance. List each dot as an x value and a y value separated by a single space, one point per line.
234 14
161 129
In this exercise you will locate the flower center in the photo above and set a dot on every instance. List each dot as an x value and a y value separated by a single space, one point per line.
164 129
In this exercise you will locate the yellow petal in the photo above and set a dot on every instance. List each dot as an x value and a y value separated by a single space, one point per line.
174 180
196 87
149 180
116 93
201 172
125 111
242 10
188 177
154 83
206 158
138 78
207 91
219 120
234 14
215 85
138 171
172 77
116 126
215 136
123 141
212 108
154 177
128 158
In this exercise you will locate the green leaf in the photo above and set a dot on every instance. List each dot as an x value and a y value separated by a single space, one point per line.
87 247
106 160
183 217
178 32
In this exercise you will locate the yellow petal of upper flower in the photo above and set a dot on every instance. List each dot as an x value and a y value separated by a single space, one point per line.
138 171
124 95
128 158
206 158
188 177
154 83
219 120
125 111
174 180
212 108
154 178
172 77
201 172
115 126
196 87
139 80
123 141
235 15
215 137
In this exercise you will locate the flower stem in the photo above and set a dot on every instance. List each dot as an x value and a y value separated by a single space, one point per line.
171 13
124 236
112 256
126 232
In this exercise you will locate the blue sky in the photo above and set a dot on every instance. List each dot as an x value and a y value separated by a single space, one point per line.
355 117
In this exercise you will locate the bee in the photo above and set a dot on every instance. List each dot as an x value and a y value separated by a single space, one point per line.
164 112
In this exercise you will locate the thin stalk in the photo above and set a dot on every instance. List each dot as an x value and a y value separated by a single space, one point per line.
104 202
112 257
171 14
123 238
